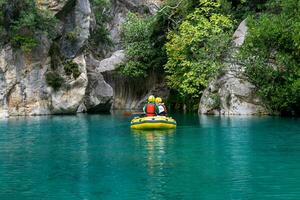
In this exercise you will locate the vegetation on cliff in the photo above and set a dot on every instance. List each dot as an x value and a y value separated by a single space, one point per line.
272 55
186 40
22 22
100 35
197 34
195 51
193 37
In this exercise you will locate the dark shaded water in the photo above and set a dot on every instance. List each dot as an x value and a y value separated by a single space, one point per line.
99 157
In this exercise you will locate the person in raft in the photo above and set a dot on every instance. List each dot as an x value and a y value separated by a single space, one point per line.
151 109
162 109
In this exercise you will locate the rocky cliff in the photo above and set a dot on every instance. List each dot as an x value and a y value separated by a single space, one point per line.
132 94
67 74
231 93
67 61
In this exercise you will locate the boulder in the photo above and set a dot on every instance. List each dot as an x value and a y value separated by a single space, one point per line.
99 95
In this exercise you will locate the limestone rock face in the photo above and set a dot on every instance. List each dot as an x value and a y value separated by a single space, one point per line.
52 5
108 64
76 29
23 90
132 94
231 93
119 12
108 88
23 86
71 95
99 95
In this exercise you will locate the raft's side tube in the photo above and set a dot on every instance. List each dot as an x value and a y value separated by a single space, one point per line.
157 122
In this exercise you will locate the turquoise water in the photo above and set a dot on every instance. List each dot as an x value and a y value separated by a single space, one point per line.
98 157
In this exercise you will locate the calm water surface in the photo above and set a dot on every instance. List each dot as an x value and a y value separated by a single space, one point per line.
98 157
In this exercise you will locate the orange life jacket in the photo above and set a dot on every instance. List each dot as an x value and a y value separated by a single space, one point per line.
150 110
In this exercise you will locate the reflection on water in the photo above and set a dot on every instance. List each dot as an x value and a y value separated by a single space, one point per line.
156 145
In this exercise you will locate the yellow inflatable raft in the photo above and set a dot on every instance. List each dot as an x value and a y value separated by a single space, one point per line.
157 122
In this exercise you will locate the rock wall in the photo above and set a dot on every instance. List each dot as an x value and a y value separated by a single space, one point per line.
53 6
132 94
99 93
23 86
22 83
231 93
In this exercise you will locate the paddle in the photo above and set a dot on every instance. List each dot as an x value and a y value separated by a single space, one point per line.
133 114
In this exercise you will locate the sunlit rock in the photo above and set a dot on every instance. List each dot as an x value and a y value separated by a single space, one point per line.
231 93
67 99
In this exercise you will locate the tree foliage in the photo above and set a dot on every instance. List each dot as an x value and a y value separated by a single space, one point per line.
195 52
142 52
22 21
272 55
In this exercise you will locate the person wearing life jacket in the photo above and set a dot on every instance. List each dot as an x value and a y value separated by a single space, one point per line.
162 109
150 109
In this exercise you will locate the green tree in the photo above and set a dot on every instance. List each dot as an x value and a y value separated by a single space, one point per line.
141 51
196 51
272 54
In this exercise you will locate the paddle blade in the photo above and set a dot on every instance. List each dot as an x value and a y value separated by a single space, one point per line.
133 114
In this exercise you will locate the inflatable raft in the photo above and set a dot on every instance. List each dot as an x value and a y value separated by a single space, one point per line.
157 122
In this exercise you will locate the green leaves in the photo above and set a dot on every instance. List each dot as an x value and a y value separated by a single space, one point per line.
271 54
26 43
26 23
136 29
54 80
72 68
196 51
141 52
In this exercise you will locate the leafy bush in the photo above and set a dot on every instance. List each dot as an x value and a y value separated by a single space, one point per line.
72 68
26 43
195 52
72 36
272 53
23 21
54 80
173 12
140 44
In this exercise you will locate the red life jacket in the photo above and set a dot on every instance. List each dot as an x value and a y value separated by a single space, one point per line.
150 110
